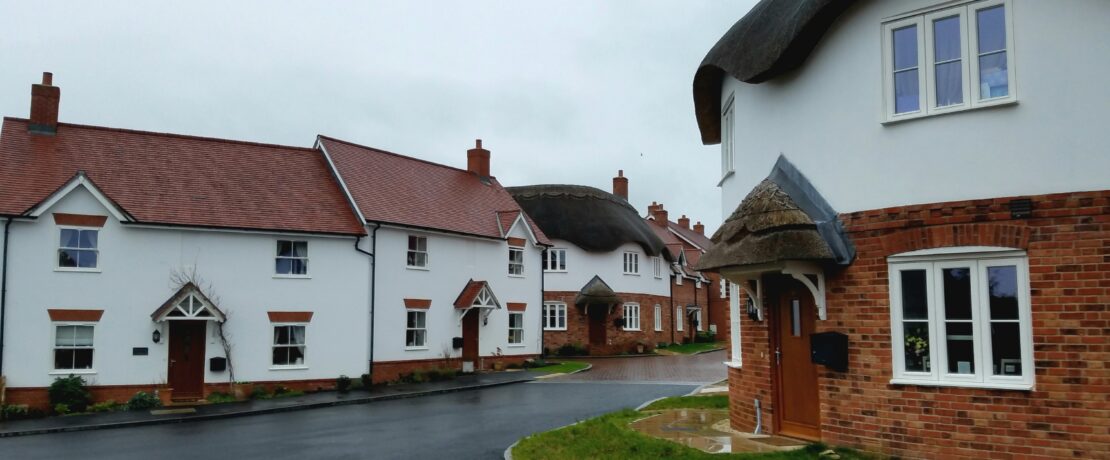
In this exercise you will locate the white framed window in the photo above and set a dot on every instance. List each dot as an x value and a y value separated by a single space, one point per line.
516 328
728 127
555 260
554 316
292 258
722 285
631 263
631 316
416 330
73 346
947 60
962 320
658 318
417 255
516 261
697 320
736 359
289 345
678 319
657 266
78 249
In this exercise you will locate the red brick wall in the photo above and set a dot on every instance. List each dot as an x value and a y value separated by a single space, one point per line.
392 371
619 340
37 397
1067 415
718 308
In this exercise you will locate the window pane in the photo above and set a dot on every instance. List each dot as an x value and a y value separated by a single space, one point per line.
421 244
516 320
68 238
1006 348
795 318
412 243
83 336
298 266
67 258
917 345
281 335
421 259
420 319
993 79
300 249
950 78
914 300
281 356
957 293
88 239
284 266
906 92
86 259
905 48
961 348
83 358
296 335
992 29
285 248
63 358
1003 292
64 336
296 355
411 323
946 39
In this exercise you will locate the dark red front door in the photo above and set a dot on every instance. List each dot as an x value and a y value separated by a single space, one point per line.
798 408
470 335
186 367
598 316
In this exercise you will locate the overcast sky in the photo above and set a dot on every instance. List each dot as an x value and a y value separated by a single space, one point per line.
560 92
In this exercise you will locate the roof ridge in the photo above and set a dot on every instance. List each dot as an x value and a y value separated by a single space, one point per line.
176 135
407 157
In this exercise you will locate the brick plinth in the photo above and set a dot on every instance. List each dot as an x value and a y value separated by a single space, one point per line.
1067 415
38 398
392 371
618 340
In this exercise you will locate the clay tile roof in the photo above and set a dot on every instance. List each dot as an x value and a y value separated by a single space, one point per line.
170 179
701 241
506 219
596 291
469 292
396 189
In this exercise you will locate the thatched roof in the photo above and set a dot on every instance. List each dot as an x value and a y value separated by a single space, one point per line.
592 219
596 291
774 37
783 218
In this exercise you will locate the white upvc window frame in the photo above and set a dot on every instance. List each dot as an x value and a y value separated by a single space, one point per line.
274 345
631 311
520 328
408 328
551 320
697 318
969 36
658 318
631 263
413 253
278 257
737 359
519 265
58 250
556 257
657 266
978 263
678 326
728 139
54 370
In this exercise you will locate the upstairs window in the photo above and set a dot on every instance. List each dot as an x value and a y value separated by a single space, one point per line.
516 261
292 258
417 256
555 260
728 126
948 60
657 266
631 263
77 248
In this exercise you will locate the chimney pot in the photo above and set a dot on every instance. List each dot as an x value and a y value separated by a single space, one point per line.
684 222
477 159
47 79
699 228
620 185
44 106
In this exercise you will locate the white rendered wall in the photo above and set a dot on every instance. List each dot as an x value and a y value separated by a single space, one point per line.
453 260
134 280
825 117
583 265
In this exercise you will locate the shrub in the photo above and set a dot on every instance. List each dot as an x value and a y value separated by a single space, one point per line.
219 397
513 366
144 401
280 390
356 385
19 412
575 349
444 373
259 392
343 384
704 337
419 377
61 409
106 406
530 363
367 381
71 392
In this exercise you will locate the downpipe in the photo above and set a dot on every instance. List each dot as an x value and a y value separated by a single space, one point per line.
373 290
4 290
758 418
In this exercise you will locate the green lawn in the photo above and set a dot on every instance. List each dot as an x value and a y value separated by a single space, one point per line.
690 402
610 437
691 348
565 367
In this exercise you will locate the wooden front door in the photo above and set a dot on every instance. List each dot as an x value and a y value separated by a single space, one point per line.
471 326
797 404
598 315
186 366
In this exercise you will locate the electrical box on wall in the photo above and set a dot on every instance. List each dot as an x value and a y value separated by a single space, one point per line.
217 364
830 349
456 342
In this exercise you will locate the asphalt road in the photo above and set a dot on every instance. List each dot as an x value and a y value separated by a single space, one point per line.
472 424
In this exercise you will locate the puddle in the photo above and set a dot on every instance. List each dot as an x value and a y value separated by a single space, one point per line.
707 430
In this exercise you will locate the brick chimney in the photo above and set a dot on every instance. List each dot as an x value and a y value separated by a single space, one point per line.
698 227
620 185
44 106
477 159
660 215
684 222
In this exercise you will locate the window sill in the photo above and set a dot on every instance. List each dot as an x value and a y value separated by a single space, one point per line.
982 105
516 276
733 364
77 270
515 345
631 330
632 274
292 277
554 271
288 368
423 269
725 177
72 372
990 385
416 348
562 329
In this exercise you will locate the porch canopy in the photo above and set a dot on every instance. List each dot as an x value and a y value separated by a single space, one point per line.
188 303
476 294
598 292
783 226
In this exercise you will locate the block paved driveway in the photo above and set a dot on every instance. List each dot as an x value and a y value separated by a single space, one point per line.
695 369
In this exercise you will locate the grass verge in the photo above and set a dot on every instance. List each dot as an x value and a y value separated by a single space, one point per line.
565 367
691 348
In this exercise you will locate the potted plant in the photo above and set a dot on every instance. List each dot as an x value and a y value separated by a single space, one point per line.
640 347
242 390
